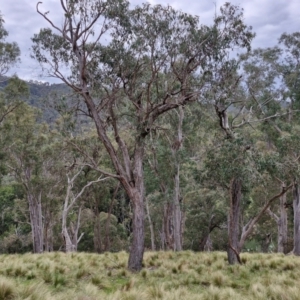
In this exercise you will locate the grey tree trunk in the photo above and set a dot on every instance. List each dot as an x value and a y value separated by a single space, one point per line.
177 215
68 239
168 226
70 233
137 195
296 206
282 225
152 235
97 232
266 243
137 246
48 236
36 221
234 218
281 222
107 223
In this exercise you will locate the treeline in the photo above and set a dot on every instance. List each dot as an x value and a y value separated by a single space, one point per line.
161 139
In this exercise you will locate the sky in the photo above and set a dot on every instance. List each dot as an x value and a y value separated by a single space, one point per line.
269 19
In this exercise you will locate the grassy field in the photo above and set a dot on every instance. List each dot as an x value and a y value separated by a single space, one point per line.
166 275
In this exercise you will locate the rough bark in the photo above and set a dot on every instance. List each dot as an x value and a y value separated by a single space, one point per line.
234 218
36 221
137 194
296 206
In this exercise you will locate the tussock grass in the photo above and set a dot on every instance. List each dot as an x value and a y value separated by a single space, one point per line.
7 290
166 275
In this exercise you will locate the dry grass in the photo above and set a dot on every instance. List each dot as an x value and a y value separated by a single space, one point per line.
166 275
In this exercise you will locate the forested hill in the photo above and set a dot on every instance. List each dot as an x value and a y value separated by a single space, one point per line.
42 95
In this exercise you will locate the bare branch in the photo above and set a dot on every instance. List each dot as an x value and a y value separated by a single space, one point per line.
46 18
247 232
261 120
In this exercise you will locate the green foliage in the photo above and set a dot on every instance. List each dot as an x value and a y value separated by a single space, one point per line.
9 52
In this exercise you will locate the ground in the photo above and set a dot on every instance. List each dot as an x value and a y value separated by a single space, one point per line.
166 275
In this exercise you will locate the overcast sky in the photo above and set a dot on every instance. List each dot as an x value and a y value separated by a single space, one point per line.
269 19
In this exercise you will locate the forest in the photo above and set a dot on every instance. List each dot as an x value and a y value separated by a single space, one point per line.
171 136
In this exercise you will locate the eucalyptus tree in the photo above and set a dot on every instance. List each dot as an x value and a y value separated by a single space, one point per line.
9 52
121 81
80 157
255 98
26 161
290 68
165 159
275 73
9 56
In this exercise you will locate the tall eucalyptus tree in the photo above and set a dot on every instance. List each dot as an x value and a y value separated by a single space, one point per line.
117 60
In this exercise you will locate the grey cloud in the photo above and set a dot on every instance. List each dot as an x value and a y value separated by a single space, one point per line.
269 18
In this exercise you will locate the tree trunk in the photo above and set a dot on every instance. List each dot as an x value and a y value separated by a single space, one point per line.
282 225
36 221
97 234
137 195
203 242
69 247
234 217
177 215
48 236
281 222
152 236
168 226
296 206
137 246
208 244
107 223
266 243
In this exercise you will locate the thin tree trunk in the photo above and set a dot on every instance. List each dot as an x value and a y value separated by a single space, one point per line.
283 228
152 236
234 218
36 220
168 226
107 224
97 233
177 216
70 236
48 237
296 206
281 222
203 242
266 243
66 236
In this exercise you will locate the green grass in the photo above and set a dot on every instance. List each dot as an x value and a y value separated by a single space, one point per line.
166 275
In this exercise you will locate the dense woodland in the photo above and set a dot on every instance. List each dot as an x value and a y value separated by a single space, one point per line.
173 135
